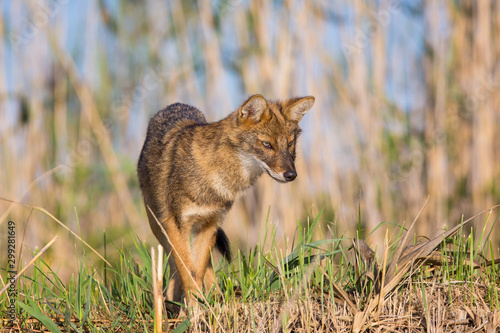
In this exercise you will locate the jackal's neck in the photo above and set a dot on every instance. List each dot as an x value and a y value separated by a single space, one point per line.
225 166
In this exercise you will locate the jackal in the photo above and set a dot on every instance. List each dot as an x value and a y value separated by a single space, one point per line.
191 171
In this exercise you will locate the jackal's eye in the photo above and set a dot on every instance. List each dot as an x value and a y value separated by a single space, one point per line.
290 144
267 144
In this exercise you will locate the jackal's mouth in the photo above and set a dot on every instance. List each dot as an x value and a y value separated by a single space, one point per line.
281 179
274 175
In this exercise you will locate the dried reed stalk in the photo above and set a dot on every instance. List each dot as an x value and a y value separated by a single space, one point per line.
157 276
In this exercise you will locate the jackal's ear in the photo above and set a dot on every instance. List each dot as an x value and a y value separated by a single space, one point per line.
298 108
254 108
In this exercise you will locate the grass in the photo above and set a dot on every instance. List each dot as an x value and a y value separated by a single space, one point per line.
315 284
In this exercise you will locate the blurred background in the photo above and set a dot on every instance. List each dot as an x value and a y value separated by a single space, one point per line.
407 107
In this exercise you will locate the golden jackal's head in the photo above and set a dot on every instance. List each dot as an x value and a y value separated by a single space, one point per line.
266 134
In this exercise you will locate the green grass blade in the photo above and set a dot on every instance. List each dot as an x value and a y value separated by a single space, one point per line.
491 230
89 301
38 315
67 317
183 326
311 228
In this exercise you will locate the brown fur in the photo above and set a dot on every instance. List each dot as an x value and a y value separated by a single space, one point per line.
191 171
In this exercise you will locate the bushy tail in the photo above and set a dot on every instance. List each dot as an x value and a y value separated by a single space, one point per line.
222 244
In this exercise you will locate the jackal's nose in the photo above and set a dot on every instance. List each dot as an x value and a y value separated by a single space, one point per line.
290 175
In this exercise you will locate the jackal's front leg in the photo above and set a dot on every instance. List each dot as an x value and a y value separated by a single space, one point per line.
181 251
203 244
174 290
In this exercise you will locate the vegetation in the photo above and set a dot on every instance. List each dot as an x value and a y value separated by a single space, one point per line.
444 283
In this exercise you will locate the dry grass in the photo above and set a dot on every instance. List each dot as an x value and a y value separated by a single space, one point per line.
446 310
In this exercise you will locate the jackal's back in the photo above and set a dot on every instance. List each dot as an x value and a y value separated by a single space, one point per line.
163 121
172 118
